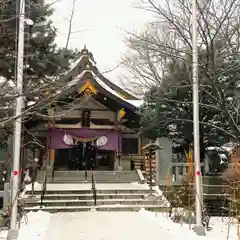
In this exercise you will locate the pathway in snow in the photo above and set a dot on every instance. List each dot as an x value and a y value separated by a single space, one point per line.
116 226
104 226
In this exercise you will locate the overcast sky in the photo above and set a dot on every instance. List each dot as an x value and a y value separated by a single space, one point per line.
100 25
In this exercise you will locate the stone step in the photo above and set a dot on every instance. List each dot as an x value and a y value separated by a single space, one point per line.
79 176
96 173
83 181
89 174
119 208
82 173
89 196
134 177
90 202
89 191
77 173
90 177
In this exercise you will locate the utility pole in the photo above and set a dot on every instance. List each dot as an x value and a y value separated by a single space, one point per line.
13 233
199 229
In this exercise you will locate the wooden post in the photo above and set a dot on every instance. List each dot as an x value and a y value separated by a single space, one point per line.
190 165
52 123
33 170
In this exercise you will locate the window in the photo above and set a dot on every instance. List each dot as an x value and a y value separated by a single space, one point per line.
130 145
86 117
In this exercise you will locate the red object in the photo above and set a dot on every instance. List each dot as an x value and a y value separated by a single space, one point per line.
198 173
15 172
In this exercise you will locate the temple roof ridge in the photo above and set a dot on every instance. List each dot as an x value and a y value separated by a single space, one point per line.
86 56
86 52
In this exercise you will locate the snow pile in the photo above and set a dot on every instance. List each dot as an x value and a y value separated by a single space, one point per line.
3 234
37 186
220 227
36 226
140 184
163 198
157 192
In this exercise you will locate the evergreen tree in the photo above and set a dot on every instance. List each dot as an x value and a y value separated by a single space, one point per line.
44 61
42 58
168 108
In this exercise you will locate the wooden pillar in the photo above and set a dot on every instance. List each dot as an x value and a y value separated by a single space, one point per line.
190 165
117 153
51 152
139 145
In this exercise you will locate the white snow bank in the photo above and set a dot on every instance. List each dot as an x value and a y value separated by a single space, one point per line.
3 234
160 193
37 186
142 184
36 226
180 231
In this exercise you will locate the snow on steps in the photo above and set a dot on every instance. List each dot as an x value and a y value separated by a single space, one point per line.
110 197
104 208
100 177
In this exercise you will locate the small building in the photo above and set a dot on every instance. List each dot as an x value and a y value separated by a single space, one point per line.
89 120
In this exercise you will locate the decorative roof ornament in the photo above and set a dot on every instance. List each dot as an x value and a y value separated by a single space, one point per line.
85 51
121 113
87 87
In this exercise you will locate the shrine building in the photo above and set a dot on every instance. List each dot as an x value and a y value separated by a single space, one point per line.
91 121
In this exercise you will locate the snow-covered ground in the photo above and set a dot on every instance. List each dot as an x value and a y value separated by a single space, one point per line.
221 227
35 227
115 226
3 234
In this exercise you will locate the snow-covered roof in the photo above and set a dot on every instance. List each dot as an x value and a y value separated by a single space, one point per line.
136 103
76 80
225 147
76 62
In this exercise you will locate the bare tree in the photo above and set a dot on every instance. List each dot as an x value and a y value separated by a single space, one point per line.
169 40
70 23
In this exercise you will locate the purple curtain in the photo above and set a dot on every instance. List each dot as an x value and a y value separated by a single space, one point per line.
55 137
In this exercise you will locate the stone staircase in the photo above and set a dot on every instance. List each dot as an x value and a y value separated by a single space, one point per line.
100 176
110 197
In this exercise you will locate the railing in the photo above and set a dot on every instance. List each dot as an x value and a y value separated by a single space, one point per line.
94 189
33 176
44 188
53 173
180 169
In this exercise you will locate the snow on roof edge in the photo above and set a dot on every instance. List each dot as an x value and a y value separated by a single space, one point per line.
135 103
75 63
